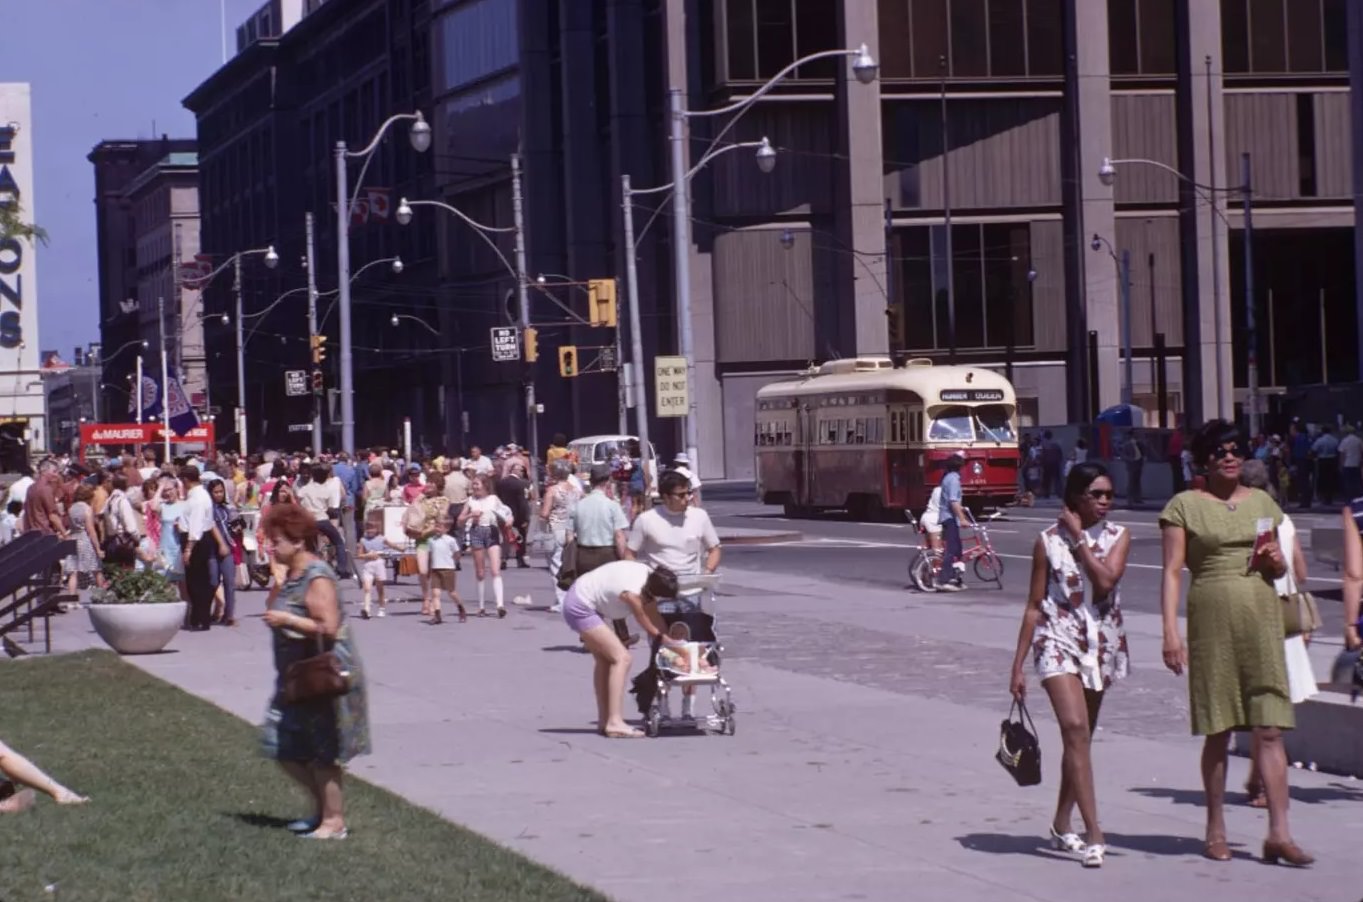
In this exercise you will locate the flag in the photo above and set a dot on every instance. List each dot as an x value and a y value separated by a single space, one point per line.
182 415
151 400
359 212
193 272
379 203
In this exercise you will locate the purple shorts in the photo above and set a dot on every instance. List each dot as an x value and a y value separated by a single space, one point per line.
577 615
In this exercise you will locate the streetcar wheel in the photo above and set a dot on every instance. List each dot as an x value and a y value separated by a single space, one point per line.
989 569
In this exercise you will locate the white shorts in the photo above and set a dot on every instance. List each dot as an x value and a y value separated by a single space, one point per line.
374 570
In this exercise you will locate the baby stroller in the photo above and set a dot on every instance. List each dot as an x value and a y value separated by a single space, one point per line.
689 618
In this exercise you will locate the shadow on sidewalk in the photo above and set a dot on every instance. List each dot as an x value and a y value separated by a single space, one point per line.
1304 795
580 649
1010 844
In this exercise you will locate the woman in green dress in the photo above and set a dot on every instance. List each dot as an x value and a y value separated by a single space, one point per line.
312 739
1237 678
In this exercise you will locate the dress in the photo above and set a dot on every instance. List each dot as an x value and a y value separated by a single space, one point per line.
1079 634
87 560
172 557
1237 677
331 731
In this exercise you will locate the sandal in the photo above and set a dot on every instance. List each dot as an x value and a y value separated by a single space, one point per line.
624 734
1093 855
1066 842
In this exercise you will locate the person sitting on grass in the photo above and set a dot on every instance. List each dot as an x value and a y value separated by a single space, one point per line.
19 771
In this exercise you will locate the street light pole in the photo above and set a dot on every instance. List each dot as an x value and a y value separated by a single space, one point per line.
635 336
681 262
523 294
343 299
165 376
1127 381
1251 335
241 363
312 330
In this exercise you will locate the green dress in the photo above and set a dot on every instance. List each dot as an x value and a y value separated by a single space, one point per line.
1237 676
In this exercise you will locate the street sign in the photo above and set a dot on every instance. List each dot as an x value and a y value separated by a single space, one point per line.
300 427
669 374
295 383
607 359
506 344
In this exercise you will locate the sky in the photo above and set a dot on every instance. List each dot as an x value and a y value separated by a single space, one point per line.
100 69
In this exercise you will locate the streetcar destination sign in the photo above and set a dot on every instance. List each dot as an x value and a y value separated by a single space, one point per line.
971 394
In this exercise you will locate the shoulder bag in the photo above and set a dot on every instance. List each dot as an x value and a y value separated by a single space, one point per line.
1019 751
1301 614
317 678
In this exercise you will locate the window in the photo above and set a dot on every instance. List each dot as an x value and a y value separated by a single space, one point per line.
951 424
1306 145
1141 37
1270 37
991 285
765 36
975 38
994 423
915 425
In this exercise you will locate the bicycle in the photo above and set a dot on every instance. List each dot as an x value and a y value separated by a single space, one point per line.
926 565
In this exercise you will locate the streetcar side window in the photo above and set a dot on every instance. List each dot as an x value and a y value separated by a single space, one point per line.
915 426
861 431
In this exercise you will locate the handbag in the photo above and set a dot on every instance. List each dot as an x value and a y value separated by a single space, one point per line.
567 568
1301 614
1019 751
317 678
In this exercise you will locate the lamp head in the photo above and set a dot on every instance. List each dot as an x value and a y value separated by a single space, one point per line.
1096 242
420 134
787 239
225 320
397 266
393 320
539 279
1107 173
766 156
1031 276
271 258
144 343
864 67
404 212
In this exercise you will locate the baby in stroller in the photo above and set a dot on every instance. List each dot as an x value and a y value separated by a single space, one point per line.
692 668
691 658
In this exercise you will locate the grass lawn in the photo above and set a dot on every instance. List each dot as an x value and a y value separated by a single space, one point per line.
184 808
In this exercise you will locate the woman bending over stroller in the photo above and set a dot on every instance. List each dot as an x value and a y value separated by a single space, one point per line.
610 592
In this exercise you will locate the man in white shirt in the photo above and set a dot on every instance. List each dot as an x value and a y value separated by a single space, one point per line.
200 547
18 489
482 466
149 466
322 495
1351 464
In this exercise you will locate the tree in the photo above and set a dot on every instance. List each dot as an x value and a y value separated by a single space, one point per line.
12 224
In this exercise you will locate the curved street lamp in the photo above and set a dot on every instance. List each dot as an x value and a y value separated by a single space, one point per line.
419 135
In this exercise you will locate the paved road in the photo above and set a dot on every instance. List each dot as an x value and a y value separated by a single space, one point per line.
862 767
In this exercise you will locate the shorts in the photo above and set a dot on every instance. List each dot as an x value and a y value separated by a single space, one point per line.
577 615
484 537
442 580
374 570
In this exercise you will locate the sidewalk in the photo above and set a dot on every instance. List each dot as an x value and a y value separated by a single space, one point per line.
862 766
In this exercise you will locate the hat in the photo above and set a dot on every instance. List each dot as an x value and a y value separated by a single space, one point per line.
958 453
600 473
683 459
414 468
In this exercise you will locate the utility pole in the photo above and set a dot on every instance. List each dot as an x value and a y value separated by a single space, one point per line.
1251 335
312 330
165 376
241 362
343 300
636 340
1126 327
523 293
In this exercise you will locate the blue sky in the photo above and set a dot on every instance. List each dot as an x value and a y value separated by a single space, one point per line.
99 69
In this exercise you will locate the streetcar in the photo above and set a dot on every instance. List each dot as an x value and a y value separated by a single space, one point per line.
872 438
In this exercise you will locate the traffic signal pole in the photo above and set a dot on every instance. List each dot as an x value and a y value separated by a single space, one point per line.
312 330
523 294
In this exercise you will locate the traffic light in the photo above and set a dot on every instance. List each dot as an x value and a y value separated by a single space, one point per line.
532 344
601 302
317 383
319 349
567 361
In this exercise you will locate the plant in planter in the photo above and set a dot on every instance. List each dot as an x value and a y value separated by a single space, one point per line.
139 612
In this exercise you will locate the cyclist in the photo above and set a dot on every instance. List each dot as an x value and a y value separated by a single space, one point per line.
952 514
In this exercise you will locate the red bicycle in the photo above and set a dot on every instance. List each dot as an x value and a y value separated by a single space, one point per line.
976 549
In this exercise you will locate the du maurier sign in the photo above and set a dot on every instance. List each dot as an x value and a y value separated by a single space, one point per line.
21 393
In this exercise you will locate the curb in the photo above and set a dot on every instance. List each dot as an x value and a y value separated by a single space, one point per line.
764 538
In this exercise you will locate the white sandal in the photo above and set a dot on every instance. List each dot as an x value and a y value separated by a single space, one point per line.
1066 842
1093 855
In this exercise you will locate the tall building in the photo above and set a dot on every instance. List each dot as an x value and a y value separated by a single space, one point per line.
143 188
995 116
22 419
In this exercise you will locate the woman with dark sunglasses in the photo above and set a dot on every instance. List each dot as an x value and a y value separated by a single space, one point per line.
1237 674
1073 627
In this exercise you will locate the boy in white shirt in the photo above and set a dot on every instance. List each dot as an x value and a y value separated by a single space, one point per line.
444 552
373 568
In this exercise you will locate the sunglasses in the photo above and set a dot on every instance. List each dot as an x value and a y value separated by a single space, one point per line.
686 494
1102 494
1232 450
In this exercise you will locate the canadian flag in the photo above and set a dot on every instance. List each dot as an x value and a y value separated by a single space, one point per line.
379 203
359 212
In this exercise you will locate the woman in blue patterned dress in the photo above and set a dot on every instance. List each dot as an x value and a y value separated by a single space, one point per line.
313 739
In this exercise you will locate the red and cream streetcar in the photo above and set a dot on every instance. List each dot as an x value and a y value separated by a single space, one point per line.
869 437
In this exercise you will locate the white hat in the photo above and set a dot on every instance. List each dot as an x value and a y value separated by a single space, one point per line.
682 459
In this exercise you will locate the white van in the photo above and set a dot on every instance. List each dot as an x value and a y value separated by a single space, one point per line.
599 449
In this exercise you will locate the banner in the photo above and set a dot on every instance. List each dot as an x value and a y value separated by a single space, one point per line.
370 203
141 434
183 417
151 400
193 272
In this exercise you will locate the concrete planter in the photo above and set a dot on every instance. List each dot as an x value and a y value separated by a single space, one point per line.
137 629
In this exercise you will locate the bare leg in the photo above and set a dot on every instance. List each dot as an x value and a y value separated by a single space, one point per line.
601 686
602 642
303 776
1214 751
330 793
1072 711
21 770
1273 771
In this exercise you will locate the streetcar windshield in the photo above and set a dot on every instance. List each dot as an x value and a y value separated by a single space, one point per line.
952 424
994 423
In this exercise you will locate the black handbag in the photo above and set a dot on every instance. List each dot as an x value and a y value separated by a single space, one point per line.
567 571
1019 751
318 678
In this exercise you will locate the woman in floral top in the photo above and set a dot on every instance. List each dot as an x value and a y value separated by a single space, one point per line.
1073 627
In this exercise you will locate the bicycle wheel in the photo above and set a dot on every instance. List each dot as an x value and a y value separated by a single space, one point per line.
989 569
923 570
